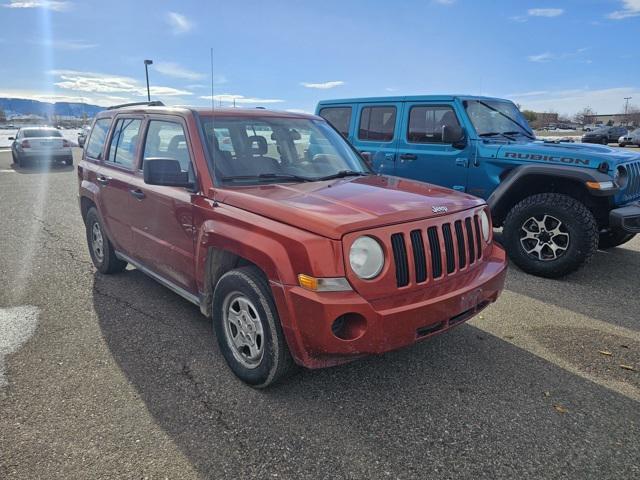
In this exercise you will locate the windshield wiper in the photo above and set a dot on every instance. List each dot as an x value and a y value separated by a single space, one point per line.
515 122
493 134
341 174
269 176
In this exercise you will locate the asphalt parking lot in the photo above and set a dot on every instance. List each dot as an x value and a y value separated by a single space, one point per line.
118 377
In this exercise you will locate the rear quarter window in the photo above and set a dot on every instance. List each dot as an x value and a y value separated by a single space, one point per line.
95 145
339 117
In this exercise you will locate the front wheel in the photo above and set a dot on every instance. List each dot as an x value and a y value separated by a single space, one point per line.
614 238
550 234
248 328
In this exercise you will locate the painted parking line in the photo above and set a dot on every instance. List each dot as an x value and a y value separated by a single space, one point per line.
17 325
7 171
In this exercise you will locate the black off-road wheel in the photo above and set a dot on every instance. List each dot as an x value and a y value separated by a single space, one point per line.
614 238
101 249
550 235
248 328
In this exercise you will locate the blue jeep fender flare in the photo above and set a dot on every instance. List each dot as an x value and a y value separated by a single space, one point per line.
519 174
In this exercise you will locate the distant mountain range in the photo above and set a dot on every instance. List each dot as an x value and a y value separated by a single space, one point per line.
20 106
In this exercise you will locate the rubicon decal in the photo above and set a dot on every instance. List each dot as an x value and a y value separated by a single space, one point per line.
546 158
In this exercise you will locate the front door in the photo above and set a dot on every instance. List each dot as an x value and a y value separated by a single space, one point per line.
163 232
375 133
422 154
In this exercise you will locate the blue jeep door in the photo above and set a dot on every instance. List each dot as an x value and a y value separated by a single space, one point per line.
375 132
422 155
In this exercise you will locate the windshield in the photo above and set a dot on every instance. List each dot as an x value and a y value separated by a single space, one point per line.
41 132
254 150
494 117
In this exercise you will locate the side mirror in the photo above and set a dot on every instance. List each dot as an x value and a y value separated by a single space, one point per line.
455 135
166 172
366 156
11 138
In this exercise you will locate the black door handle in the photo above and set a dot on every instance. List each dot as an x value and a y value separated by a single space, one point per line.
136 192
102 180
408 156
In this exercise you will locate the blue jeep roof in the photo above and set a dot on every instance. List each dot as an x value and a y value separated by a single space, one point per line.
407 98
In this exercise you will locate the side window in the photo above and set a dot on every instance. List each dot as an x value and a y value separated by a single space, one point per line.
167 139
377 123
339 117
124 141
98 135
426 122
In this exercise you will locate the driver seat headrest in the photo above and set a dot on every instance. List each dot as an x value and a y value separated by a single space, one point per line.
257 145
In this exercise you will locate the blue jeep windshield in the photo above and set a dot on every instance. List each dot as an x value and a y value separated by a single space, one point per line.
254 150
495 117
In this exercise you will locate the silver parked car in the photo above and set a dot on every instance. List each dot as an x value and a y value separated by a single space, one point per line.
631 138
40 144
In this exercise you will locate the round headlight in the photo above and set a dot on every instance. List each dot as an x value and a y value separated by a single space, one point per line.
621 177
485 225
366 257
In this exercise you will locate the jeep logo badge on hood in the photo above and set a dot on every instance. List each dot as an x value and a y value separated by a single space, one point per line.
443 209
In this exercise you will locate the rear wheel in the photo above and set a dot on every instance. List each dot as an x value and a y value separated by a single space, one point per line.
248 328
101 249
550 234
614 238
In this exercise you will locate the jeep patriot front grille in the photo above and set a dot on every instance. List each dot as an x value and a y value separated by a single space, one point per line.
437 251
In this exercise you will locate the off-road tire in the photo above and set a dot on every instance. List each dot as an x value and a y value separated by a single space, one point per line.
614 238
108 262
276 362
578 221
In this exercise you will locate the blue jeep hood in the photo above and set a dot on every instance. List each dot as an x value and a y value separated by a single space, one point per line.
586 155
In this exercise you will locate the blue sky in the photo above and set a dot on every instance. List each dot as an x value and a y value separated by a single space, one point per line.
552 55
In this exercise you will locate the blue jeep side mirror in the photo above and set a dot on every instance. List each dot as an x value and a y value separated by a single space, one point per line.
455 135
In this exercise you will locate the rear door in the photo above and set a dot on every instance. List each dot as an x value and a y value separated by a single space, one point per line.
422 154
114 177
376 128
162 225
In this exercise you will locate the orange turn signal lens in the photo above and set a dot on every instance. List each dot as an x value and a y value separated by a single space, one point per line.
600 185
339 284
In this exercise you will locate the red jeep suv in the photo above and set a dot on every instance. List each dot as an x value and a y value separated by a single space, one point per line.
278 230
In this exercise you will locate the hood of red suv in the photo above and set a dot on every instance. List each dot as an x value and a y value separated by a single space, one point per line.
336 207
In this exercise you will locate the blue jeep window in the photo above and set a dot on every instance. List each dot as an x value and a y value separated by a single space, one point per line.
426 123
377 123
339 117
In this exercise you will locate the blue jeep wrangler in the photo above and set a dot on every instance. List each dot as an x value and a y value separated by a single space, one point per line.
557 202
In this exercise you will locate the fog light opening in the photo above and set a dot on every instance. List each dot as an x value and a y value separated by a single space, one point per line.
349 326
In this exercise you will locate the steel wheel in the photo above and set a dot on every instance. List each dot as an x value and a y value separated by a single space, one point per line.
243 329
544 237
97 242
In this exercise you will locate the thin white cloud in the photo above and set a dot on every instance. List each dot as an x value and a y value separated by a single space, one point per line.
105 84
241 99
66 44
545 12
548 56
172 69
179 23
630 8
323 85
541 57
445 2
55 5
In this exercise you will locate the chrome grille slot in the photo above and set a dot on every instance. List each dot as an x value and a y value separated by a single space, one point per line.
400 259
419 257
436 254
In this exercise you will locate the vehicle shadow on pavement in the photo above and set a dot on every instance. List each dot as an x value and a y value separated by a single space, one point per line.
609 284
464 404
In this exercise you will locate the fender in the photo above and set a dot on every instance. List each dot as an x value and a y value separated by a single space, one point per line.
522 172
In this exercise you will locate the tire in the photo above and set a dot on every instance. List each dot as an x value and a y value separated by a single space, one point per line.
69 161
614 238
622 144
101 250
260 356
605 141
569 244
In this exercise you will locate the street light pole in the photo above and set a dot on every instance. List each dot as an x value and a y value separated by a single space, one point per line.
146 71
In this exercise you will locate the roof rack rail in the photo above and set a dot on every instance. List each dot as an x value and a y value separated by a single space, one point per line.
154 103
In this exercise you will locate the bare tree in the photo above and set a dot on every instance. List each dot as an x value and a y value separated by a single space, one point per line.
633 115
3 117
584 116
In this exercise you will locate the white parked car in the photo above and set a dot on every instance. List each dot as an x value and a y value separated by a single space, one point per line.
40 144
631 138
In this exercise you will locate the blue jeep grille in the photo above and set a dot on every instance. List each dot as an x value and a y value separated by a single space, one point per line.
633 188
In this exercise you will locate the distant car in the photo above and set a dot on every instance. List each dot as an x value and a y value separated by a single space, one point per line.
631 138
40 144
82 135
604 135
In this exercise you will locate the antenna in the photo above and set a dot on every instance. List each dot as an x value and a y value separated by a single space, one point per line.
213 124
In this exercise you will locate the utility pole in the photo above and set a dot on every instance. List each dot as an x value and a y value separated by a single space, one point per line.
146 71
626 107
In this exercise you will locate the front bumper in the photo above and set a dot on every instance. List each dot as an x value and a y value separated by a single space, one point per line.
389 323
626 218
